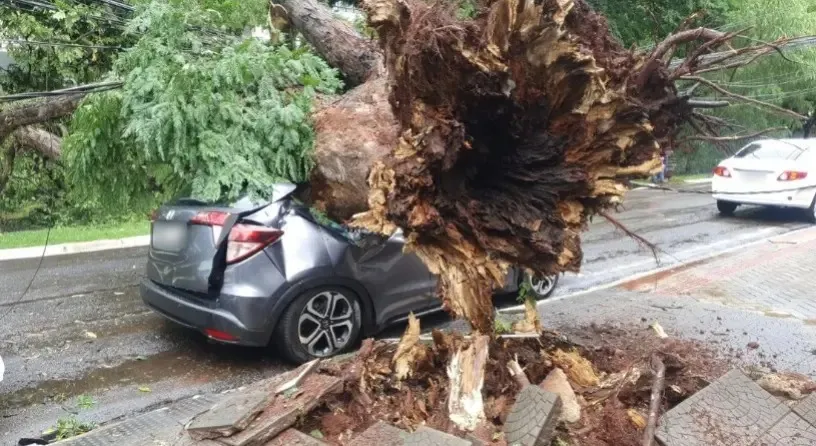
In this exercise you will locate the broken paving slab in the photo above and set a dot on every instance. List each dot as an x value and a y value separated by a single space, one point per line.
231 415
381 434
533 418
425 436
284 410
792 430
162 425
294 437
807 408
731 411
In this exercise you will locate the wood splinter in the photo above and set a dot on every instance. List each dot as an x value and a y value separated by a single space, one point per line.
659 369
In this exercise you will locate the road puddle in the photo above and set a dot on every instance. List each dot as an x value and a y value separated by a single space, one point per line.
213 363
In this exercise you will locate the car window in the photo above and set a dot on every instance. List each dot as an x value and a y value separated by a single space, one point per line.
771 150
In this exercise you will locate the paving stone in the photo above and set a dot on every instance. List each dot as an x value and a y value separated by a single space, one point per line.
283 411
731 411
231 415
425 436
807 408
793 430
294 437
162 425
533 418
380 434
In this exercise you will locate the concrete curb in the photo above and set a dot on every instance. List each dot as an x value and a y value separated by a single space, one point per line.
698 181
73 248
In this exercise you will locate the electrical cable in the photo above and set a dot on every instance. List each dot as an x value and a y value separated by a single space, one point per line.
66 44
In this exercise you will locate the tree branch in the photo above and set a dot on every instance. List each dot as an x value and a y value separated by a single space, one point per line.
667 45
699 103
36 111
715 58
341 46
39 140
725 92
732 137
6 164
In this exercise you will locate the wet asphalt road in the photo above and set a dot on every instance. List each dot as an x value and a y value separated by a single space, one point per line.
81 328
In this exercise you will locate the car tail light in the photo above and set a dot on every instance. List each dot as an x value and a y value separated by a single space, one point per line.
211 218
792 175
721 171
219 335
246 240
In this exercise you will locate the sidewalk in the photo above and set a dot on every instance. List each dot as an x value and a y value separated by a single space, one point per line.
774 278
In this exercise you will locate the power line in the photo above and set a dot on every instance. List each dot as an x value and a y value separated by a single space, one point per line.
85 88
31 282
68 44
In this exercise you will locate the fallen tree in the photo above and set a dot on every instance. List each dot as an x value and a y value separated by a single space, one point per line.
491 141
502 135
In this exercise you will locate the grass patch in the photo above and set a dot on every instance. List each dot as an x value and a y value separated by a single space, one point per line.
684 178
73 234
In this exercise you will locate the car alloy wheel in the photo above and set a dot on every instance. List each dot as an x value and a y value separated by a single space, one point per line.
542 286
326 324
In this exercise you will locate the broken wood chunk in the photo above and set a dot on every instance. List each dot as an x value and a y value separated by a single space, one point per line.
466 372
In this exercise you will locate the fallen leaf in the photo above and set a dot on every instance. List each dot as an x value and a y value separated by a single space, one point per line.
753 345
145 389
636 418
90 335
316 434
659 330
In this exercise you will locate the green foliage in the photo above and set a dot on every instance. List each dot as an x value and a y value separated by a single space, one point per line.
85 402
208 116
644 22
525 292
46 67
70 426
783 81
502 326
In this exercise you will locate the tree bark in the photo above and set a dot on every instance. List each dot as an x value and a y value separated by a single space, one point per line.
38 140
36 111
351 134
341 46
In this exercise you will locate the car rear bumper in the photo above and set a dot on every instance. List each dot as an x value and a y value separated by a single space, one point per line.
794 199
199 314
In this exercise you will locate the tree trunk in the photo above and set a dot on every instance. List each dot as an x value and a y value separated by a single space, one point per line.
351 134
341 46
36 111
39 140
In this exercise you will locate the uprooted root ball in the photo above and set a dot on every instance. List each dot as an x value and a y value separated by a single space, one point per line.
517 126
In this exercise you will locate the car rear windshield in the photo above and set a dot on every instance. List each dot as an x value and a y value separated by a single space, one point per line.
772 150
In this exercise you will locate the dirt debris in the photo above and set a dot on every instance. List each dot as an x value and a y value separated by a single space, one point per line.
611 409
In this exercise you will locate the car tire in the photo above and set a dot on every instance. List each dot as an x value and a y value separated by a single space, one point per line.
541 287
726 207
319 323
811 211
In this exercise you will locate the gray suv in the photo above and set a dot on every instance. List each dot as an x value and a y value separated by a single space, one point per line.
260 273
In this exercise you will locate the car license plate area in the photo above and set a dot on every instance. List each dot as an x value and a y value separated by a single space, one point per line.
168 236
752 176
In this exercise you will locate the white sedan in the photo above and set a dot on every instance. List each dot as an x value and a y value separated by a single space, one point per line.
769 172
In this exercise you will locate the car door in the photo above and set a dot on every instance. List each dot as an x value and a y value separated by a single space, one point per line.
398 282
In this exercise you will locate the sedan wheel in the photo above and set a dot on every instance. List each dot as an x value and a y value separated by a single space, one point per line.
541 286
320 323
